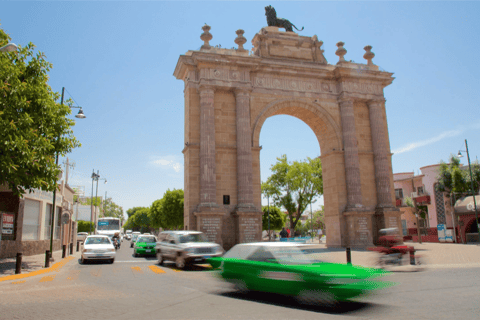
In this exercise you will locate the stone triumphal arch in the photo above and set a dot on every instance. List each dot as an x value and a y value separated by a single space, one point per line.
229 93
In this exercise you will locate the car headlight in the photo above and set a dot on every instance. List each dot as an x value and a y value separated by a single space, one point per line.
86 250
111 250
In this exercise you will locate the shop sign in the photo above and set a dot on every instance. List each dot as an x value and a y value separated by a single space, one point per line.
441 232
7 223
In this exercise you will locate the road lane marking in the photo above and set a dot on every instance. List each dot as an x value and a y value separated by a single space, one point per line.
18 282
48 278
156 269
55 267
73 275
136 269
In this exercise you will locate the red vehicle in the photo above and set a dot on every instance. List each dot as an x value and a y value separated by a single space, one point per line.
390 250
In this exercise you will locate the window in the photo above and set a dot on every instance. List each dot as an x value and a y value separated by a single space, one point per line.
398 193
226 199
31 214
421 190
47 221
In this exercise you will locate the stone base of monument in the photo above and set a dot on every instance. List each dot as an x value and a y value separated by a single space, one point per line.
210 222
248 226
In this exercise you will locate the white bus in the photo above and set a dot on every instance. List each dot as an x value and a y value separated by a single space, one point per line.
108 226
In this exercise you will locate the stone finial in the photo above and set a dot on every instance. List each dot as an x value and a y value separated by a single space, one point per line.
341 51
206 36
369 55
240 40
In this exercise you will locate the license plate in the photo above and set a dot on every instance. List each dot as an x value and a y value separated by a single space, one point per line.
148 250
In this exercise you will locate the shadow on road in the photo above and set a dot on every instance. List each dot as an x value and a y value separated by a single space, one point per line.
343 307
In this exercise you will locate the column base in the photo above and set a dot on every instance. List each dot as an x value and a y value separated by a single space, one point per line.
248 226
359 227
210 221
386 217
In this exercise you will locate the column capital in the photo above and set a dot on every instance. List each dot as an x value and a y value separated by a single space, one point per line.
345 99
376 101
206 88
242 91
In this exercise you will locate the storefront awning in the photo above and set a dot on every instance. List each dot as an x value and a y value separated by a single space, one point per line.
465 205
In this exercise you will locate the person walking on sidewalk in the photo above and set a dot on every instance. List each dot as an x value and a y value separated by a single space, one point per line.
283 233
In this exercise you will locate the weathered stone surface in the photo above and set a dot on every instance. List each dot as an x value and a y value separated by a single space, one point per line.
230 93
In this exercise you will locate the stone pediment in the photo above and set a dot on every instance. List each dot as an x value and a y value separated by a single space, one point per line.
270 42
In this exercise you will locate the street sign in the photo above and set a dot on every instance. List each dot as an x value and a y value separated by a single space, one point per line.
7 223
441 232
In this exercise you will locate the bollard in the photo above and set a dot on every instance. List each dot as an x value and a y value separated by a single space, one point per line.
64 250
349 256
412 256
47 258
78 245
18 267
71 248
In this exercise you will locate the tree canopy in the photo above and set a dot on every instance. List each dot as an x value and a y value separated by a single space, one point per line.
140 221
294 185
111 209
33 126
167 212
453 179
277 218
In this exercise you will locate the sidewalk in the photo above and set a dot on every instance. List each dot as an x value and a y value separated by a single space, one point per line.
431 255
31 263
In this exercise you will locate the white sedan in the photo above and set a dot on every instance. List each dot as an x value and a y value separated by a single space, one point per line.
98 247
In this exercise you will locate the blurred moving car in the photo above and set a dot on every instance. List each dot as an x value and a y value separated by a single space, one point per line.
98 247
284 268
145 245
128 234
134 238
185 248
81 236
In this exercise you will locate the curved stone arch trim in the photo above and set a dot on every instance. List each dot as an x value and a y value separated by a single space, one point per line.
313 107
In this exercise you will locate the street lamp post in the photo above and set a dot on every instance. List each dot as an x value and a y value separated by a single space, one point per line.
80 115
311 220
268 201
95 177
472 187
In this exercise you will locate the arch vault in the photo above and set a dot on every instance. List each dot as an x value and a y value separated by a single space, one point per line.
229 93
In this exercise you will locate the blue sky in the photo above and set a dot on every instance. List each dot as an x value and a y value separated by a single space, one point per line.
116 60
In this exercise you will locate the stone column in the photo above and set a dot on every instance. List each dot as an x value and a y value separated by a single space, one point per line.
381 153
208 187
352 161
244 149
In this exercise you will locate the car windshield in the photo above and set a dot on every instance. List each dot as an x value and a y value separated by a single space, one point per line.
194 237
135 236
146 239
280 254
97 240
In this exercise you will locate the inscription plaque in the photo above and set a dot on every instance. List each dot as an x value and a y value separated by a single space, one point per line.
210 227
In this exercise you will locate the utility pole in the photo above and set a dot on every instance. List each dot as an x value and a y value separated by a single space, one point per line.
67 166
415 211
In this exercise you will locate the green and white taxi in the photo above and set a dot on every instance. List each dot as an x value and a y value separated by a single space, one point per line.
145 245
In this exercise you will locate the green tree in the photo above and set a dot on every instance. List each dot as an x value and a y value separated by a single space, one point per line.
277 218
294 185
85 226
33 126
111 209
132 211
167 212
140 221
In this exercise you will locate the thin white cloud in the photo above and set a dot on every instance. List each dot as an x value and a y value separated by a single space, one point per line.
422 143
167 162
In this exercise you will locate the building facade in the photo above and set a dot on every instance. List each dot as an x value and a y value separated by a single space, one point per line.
26 221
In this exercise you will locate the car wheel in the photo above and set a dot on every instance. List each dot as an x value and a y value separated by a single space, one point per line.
180 262
314 297
160 258
135 254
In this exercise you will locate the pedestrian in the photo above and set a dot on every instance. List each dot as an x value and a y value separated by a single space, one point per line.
283 233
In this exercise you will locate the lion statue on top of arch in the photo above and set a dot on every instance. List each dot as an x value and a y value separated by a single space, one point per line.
273 21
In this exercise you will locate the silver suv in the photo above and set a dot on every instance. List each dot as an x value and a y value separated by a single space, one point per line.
185 248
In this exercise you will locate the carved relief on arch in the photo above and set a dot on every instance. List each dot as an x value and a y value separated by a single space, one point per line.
328 136
294 84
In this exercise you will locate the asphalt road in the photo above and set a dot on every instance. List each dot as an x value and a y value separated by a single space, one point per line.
136 288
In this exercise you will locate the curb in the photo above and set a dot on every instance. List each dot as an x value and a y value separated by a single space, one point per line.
55 267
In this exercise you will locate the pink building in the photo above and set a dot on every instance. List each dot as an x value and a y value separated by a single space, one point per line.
438 209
